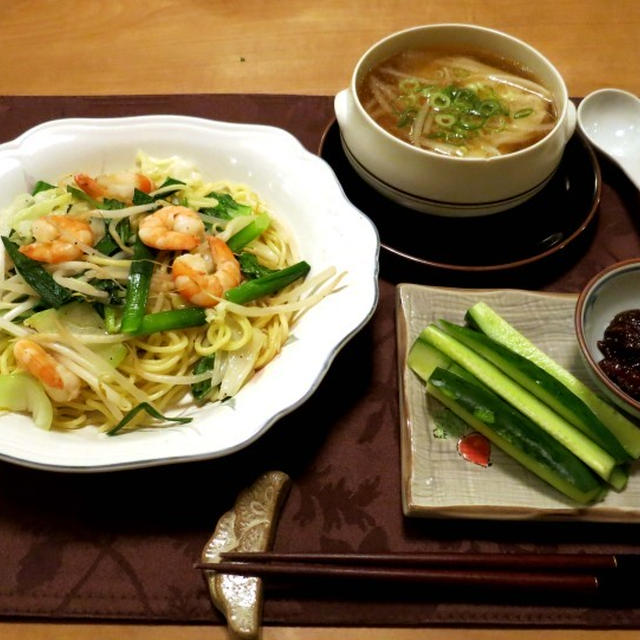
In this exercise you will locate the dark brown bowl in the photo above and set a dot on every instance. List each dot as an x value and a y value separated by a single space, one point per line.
541 228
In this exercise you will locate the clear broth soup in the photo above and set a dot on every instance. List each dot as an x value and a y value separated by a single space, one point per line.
458 104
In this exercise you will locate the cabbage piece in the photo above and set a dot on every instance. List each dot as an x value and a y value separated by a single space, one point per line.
22 392
79 319
238 365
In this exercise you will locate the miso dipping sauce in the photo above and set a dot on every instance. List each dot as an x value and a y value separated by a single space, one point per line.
620 346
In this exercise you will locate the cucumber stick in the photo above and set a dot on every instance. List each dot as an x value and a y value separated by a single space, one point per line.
542 385
516 435
492 324
423 359
583 447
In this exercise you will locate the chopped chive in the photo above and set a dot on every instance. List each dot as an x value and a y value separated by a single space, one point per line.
40 280
253 289
249 233
523 113
137 288
200 390
171 319
41 185
143 406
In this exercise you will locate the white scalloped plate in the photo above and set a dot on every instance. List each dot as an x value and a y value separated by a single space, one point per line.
298 187
436 481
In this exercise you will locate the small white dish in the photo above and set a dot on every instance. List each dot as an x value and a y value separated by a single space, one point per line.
298 187
614 289
436 480
443 185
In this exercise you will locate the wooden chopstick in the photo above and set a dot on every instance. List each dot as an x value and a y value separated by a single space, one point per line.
518 561
579 583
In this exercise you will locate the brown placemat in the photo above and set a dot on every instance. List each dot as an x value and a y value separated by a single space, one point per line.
121 545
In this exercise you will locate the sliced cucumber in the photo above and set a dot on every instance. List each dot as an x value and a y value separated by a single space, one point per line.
516 435
542 385
619 477
492 324
573 439
424 358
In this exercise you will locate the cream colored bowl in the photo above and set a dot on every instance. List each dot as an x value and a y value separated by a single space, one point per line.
438 184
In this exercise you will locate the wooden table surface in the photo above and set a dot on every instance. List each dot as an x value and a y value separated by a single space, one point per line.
75 47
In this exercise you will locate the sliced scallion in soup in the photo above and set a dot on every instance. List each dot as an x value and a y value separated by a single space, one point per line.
457 104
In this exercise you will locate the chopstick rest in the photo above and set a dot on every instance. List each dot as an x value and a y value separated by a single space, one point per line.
249 526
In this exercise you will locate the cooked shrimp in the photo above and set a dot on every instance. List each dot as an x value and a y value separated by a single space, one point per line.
172 228
196 284
61 384
119 186
58 239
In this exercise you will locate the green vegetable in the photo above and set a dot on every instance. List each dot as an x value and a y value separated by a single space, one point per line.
573 439
172 319
115 290
460 113
445 120
227 207
406 117
81 195
249 233
107 204
22 392
490 323
251 267
253 289
111 204
516 435
41 185
107 245
523 113
112 319
200 390
140 197
542 385
143 406
423 359
137 288
40 280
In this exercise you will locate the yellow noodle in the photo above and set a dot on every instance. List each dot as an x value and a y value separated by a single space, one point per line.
159 368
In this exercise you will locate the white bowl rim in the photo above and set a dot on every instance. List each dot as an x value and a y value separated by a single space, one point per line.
11 150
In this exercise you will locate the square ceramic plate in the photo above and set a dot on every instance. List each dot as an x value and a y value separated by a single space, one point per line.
298 187
436 480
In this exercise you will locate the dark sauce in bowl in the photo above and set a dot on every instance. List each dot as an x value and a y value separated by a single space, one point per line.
620 347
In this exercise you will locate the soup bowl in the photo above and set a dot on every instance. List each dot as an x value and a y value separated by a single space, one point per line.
444 185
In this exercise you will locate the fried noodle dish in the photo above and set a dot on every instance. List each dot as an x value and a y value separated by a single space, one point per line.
128 295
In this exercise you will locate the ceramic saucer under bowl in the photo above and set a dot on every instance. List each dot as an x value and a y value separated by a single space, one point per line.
537 229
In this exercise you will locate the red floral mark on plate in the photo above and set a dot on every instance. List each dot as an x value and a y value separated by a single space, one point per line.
475 448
